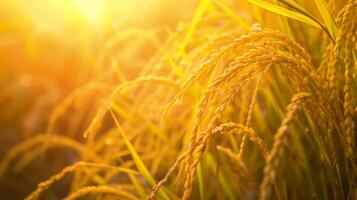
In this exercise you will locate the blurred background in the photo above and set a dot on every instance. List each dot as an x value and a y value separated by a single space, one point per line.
49 48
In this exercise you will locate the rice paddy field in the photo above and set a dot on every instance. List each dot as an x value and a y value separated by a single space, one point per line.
185 99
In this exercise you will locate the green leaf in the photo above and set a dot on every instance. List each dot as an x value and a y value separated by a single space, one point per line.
137 160
285 12
138 187
156 130
326 15
293 4
202 7
284 23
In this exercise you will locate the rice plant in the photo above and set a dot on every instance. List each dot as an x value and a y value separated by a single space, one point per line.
206 99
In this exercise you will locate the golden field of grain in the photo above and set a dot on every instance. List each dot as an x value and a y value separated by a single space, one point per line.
187 99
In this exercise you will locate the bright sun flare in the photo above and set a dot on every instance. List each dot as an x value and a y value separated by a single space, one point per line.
56 13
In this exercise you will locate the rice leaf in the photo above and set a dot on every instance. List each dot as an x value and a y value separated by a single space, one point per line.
137 185
137 160
175 68
202 7
293 4
285 12
284 24
156 130
326 15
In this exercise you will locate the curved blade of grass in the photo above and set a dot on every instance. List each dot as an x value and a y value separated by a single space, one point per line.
332 34
202 7
293 4
285 12
326 15
175 68
138 187
284 24
156 130
137 160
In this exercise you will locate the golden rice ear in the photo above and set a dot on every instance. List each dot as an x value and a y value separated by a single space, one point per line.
39 142
279 146
259 59
346 19
99 190
69 169
61 108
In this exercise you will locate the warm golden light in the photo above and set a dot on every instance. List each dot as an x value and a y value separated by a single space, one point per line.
59 13
178 99
92 10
